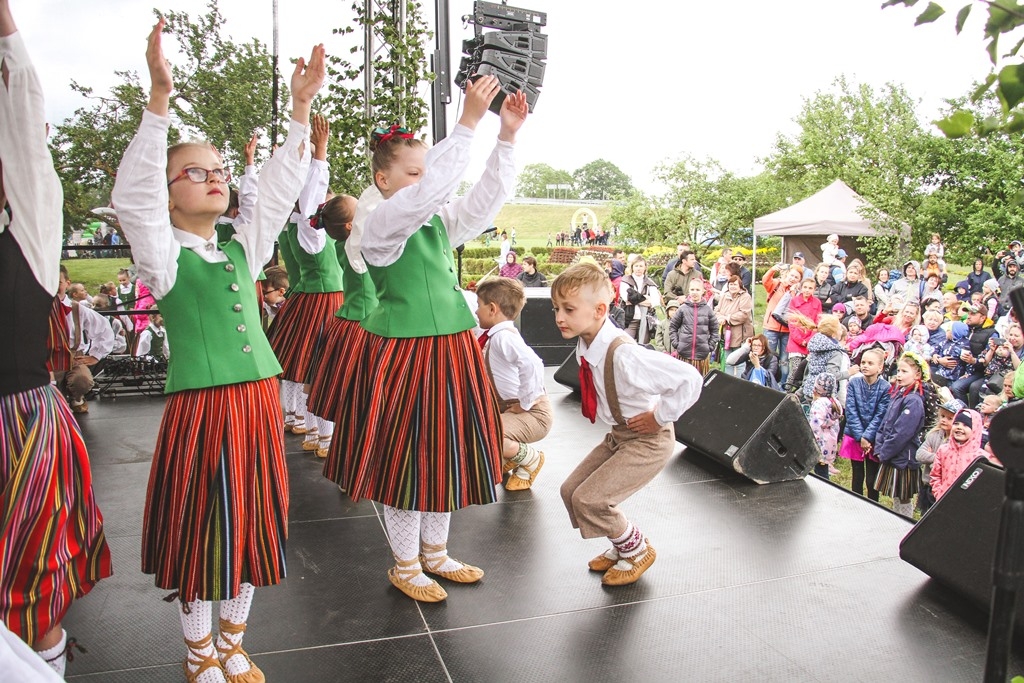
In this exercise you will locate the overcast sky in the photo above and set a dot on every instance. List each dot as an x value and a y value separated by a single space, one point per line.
635 83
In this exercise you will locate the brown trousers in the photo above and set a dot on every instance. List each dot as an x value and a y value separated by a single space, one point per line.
617 468
76 382
528 427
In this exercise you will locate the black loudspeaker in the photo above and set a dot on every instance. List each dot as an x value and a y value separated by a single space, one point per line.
761 433
568 373
537 325
955 541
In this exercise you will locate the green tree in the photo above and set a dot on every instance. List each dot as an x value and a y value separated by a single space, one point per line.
871 141
535 178
222 93
601 180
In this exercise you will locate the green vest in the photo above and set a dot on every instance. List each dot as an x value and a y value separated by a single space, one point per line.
287 246
211 312
225 231
419 295
318 273
156 343
360 294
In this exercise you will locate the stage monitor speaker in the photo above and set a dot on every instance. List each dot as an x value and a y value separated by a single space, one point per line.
568 373
955 541
760 433
537 325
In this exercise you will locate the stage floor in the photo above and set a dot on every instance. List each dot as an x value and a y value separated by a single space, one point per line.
799 581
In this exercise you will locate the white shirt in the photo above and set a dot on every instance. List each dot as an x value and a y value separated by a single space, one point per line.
311 240
518 371
32 186
120 342
645 380
145 345
140 197
21 663
397 218
97 338
368 201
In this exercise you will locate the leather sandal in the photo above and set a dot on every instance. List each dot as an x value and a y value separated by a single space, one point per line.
198 659
312 441
623 577
467 573
602 562
401 576
517 483
253 675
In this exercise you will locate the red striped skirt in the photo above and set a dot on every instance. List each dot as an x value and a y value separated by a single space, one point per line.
53 547
217 505
431 438
297 331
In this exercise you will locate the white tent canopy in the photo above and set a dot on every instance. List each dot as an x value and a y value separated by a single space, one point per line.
833 210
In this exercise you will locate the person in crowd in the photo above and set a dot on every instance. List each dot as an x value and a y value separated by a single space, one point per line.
838 273
275 286
662 338
989 406
897 441
518 377
882 289
639 295
1008 282
802 316
506 247
860 310
88 338
101 302
908 287
830 249
935 247
800 262
693 329
671 265
961 449
531 277
78 293
51 529
980 330
762 365
735 313
908 316
990 298
844 291
215 518
935 438
948 358
917 341
951 306
719 276
934 266
152 341
932 321
978 276
1002 356
511 267
745 274
931 289
823 284
420 346
867 400
640 394
826 355
776 328
853 331
825 416
677 282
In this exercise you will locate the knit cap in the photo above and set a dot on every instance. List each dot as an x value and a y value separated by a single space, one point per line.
825 384
960 330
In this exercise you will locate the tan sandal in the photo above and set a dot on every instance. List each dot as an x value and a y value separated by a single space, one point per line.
312 441
602 562
467 573
199 660
639 564
253 675
401 576
517 483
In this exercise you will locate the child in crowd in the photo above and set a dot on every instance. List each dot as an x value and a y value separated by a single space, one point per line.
639 393
954 456
51 530
932 321
867 400
153 340
998 358
693 329
947 359
917 341
430 440
825 416
898 435
853 330
829 249
216 514
989 406
827 355
933 440
517 374
275 286
662 336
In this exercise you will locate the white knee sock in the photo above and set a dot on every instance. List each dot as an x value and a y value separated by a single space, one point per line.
195 623
236 610
299 401
55 656
630 544
404 536
527 458
312 428
434 531
326 431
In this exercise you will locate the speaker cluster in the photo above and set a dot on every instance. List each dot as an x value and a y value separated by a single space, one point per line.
515 52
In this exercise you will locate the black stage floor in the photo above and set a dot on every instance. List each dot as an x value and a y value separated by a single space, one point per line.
798 581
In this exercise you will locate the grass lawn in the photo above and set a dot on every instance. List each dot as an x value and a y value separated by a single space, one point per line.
93 272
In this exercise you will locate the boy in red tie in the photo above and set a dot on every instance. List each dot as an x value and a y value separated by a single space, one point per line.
640 393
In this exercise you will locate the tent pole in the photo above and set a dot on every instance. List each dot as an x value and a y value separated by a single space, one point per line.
753 275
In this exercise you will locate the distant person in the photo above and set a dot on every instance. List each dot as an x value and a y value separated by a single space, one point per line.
511 267
531 277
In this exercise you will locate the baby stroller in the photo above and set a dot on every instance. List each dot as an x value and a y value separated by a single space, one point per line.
887 338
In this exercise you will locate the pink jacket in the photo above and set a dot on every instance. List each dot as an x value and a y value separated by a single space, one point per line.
798 337
951 459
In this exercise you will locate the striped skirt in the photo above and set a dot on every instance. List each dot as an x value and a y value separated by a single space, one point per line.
216 510
897 483
53 547
703 365
431 438
297 332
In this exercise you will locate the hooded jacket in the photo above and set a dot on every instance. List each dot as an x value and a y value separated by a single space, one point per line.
897 441
825 355
694 330
951 458
737 314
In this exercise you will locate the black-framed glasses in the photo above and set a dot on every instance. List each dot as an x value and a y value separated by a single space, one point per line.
201 175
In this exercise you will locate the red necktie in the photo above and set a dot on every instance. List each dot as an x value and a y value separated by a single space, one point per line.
588 391
482 339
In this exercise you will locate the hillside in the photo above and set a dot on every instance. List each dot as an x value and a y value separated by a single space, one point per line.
533 222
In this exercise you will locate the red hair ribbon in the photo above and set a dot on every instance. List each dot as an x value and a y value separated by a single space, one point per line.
384 134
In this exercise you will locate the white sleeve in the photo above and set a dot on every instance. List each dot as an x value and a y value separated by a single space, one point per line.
98 332
279 186
248 193
311 240
143 346
32 186
368 201
531 377
397 218
676 384
140 199
467 217
167 345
